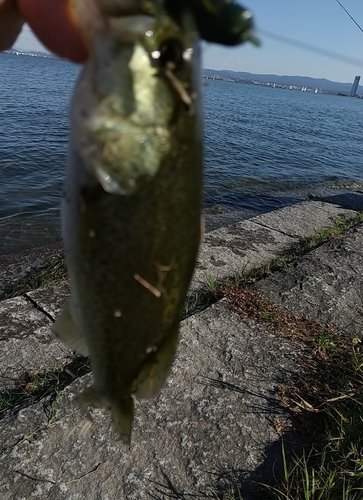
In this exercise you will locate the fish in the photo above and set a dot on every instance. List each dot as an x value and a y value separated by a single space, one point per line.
132 197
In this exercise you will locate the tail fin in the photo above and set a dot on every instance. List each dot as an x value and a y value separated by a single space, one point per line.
122 410
123 417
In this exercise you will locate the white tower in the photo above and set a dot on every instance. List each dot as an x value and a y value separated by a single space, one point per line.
353 92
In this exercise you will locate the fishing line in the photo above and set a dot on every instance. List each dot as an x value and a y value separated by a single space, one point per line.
311 48
352 18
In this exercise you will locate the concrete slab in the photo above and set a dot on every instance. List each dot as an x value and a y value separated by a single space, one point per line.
210 421
303 219
26 342
241 246
51 299
208 425
324 285
252 243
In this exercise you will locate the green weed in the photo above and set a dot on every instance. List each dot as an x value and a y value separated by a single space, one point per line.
52 273
33 386
325 403
212 283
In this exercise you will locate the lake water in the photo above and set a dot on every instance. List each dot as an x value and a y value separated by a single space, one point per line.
265 148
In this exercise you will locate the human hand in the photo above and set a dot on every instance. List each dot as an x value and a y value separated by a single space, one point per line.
53 21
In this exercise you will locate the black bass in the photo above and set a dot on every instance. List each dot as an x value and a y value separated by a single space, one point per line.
132 197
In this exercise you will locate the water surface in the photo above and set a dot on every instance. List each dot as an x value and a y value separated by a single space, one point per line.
265 148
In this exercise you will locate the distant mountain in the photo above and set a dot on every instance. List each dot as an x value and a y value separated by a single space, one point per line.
300 81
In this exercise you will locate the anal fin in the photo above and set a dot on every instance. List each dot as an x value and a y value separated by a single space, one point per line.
66 330
153 373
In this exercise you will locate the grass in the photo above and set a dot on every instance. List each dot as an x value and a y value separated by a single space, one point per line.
50 274
212 284
325 401
325 404
341 224
32 386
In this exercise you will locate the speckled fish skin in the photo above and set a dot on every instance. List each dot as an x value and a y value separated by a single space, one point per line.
132 204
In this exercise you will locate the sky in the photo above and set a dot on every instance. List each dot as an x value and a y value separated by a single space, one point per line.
285 27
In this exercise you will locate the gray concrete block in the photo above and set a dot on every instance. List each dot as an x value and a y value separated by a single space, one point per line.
26 343
51 299
325 285
303 219
241 246
209 423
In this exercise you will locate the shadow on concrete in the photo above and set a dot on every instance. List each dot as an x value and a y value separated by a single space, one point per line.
167 490
238 483
250 485
349 201
273 406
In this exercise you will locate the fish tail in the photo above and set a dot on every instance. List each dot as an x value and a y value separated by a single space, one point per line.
123 416
122 411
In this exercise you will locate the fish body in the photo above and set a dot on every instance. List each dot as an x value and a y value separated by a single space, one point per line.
132 205
133 190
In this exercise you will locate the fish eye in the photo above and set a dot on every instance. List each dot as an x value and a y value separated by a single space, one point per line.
171 53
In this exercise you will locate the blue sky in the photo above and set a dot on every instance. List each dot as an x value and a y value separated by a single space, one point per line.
319 23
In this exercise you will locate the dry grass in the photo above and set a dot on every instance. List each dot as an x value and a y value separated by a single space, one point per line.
325 404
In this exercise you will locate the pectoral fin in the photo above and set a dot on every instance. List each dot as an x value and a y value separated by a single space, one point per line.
154 372
65 329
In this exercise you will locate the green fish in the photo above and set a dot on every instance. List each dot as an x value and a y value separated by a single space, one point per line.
131 213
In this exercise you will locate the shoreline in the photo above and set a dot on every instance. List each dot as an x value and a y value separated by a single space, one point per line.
15 267
221 212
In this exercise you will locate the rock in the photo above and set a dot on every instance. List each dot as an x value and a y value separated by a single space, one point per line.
237 248
303 219
208 424
325 285
26 343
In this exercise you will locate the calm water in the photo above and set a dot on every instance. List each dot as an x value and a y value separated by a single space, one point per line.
264 148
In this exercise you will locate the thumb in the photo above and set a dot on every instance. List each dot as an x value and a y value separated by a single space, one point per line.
56 25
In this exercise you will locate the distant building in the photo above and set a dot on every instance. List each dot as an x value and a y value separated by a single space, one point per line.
353 92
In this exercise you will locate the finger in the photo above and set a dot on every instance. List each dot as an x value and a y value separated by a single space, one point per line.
11 23
56 25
